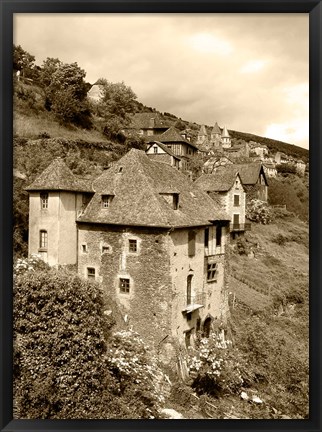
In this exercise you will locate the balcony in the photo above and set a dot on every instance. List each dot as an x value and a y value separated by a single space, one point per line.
241 227
194 302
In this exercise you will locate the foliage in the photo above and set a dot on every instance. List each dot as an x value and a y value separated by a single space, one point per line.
23 61
62 356
137 371
291 191
258 211
214 367
286 168
116 103
65 92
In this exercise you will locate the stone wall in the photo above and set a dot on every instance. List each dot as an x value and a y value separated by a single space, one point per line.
147 305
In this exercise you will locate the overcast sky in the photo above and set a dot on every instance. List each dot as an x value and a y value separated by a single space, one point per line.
246 71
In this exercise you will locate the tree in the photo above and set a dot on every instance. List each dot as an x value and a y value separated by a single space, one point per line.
65 92
117 101
22 61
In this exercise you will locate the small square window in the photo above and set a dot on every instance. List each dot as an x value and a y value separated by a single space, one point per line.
90 273
105 249
44 200
133 246
124 286
211 271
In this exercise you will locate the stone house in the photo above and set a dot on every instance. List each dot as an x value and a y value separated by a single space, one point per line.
147 124
228 191
154 241
281 158
260 150
300 167
252 176
178 145
161 153
270 169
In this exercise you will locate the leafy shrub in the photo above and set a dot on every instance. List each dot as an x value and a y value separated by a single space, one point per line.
258 211
280 239
64 367
286 168
242 246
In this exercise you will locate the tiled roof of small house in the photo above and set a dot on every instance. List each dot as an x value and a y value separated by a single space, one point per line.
171 135
216 129
147 121
249 173
57 176
136 183
217 182
164 147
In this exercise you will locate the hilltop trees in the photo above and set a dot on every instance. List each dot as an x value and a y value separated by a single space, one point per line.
23 61
65 92
115 106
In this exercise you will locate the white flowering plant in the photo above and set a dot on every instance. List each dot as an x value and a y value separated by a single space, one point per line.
259 211
215 366
31 264
137 370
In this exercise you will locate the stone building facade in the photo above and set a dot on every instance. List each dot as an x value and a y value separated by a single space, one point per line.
154 242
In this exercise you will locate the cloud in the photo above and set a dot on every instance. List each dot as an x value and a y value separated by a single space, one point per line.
253 66
207 43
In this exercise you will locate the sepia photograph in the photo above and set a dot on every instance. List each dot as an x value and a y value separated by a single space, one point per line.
161 216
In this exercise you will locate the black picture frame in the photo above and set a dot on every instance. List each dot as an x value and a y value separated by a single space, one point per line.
10 7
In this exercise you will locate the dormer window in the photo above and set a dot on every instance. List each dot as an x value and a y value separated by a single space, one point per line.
155 149
106 201
172 199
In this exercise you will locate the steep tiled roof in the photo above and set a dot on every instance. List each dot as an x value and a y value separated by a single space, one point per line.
225 133
216 129
217 182
136 183
249 173
57 176
202 130
164 148
147 121
171 135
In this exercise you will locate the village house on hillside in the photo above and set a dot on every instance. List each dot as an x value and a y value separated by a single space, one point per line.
252 176
178 145
162 153
154 240
227 190
147 124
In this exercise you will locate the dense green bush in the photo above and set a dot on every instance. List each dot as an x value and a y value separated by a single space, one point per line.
63 354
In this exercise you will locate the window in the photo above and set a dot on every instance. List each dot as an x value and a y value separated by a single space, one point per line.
90 273
105 249
236 219
211 271
236 200
84 248
218 235
43 239
106 200
124 286
206 237
175 201
191 243
155 149
133 246
44 200
189 298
